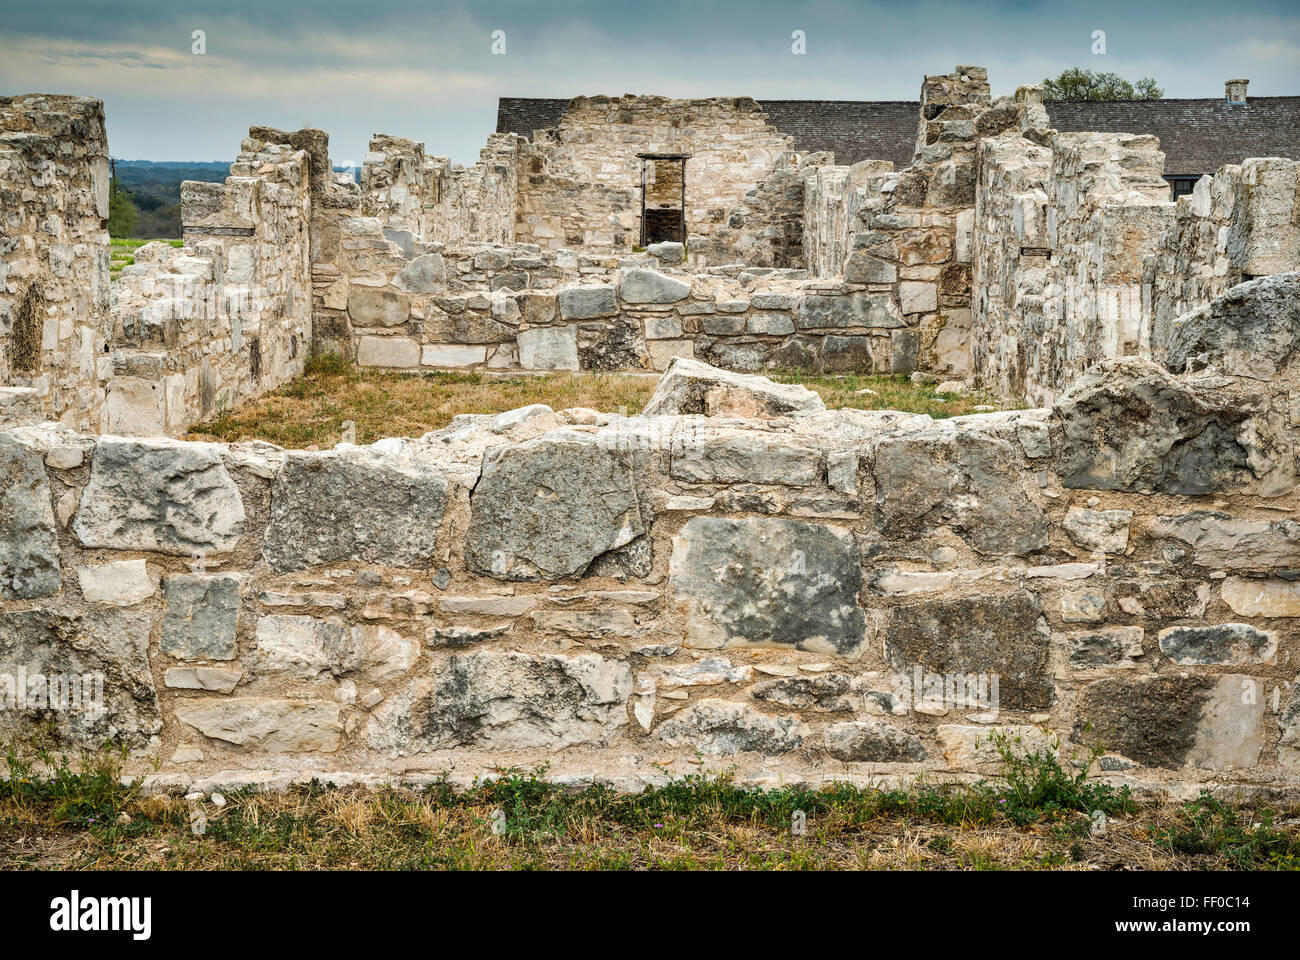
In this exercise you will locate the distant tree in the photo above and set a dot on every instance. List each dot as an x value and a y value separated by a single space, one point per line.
1077 84
121 212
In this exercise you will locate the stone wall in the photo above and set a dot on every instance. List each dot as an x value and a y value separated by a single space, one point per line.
1080 254
908 233
54 277
184 331
737 578
1108 206
199 329
522 308
475 203
733 147
1241 223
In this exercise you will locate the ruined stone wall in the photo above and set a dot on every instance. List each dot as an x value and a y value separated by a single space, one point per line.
1107 210
199 329
907 234
54 276
1011 264
1080 255
522 308
590 159
766 228
894 588
1243 222
478 203
558 209
393 183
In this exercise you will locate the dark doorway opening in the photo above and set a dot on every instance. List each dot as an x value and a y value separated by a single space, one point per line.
663 197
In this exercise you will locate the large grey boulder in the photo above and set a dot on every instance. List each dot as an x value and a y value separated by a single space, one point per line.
354 504
1252 330
500 701
106 655
691 386
159 495
651 286
29 541
1003 637
546 508
1126 424
768 581
963 479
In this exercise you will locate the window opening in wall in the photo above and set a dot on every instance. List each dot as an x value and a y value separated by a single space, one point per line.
663 197
1181 186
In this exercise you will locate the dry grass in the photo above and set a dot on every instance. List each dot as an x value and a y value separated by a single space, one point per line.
312 409
325 829
86 818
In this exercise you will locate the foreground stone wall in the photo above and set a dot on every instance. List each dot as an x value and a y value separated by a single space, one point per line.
738 576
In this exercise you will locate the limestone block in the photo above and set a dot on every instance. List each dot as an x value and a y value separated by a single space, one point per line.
201 614
548 348
548 507
1215 723
29 543
502 701
768 582
387 352
159 495
1004 637
356 504
121 583
692 386
266 725
720 728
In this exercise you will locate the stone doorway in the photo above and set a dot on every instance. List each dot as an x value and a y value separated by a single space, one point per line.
663 197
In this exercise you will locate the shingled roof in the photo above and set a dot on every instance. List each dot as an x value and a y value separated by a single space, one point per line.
854 129
1197 136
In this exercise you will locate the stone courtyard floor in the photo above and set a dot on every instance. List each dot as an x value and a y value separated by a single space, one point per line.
311 410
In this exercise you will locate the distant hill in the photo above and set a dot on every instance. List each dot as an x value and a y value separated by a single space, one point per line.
155 189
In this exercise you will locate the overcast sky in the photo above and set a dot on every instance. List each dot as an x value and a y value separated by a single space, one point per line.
427 71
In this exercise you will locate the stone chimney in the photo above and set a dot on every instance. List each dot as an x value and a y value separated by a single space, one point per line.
1235 91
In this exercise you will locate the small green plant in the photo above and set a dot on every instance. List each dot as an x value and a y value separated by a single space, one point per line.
92 794
1033 785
